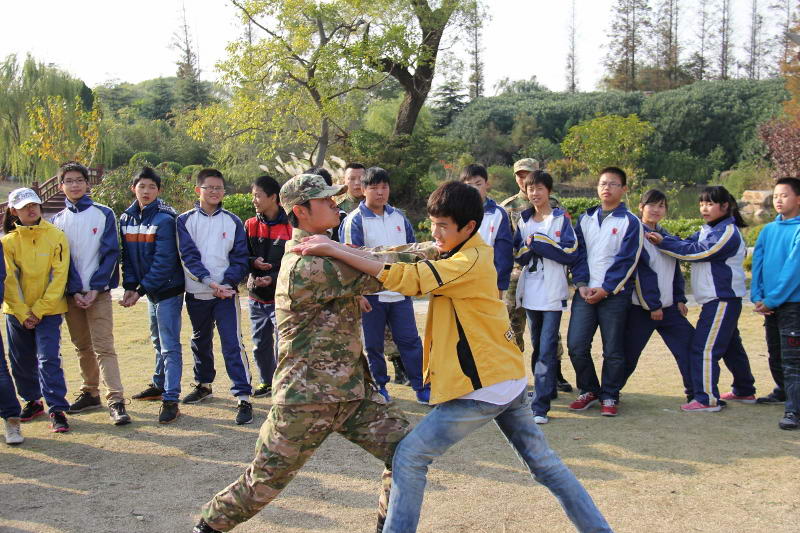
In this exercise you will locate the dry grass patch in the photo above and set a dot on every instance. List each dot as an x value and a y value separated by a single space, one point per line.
652 468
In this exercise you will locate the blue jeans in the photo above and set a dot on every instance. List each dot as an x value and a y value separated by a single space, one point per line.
35 356
165 332
448 423
9 405
400 317
544 358
265 339
610 315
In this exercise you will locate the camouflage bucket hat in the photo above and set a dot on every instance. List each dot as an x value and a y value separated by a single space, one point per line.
305 187
526 164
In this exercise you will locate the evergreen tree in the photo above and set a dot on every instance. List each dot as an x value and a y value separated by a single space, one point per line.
474 38
755 43
725 59
631 21
190 92
572 60
699 64
785 16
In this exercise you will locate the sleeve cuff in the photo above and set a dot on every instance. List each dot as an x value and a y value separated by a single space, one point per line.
140 290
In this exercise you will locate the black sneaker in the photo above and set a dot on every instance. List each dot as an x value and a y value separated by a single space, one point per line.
789 421
85 402
58 421
169 412
202 527
400 376
199 394
151 393
244 413
771 399
117 413
563 385
262 391
31 411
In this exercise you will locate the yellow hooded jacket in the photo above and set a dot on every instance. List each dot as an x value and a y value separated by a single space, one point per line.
37 266
472 345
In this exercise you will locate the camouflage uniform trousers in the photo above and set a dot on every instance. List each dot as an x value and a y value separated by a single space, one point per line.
289 437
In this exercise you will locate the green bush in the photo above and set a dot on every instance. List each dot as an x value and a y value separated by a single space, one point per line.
751 234
566 169
576 206
746 176
502 182
114 191
190 171
747 264
682 227
240 205
140 159
173 166
423 232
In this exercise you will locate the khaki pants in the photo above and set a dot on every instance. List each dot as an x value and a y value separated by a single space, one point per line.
289 437
92 333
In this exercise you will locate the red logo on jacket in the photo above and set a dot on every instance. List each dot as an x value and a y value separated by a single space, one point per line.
398 228
224 234
558 234
613 231
94 231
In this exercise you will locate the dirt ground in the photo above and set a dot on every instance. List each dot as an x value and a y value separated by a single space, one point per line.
651 469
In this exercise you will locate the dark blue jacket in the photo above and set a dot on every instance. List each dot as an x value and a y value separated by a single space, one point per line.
150 262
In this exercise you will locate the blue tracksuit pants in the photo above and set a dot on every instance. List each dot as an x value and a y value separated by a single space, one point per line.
717 337
35 356
400 317
265 339
674 329
9 405
226 315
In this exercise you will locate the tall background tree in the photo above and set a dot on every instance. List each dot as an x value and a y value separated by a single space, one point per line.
724 28
699 64
474 27
190 92
629 30
572 58
755 50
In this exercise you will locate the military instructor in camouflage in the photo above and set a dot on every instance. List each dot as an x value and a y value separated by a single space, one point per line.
322 382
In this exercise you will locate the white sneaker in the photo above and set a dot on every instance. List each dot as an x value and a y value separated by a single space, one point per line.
13 433
541 419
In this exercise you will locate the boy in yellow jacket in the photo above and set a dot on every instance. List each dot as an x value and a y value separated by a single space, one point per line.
36 255
470 358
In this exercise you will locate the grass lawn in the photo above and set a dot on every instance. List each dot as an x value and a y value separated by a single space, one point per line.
652 469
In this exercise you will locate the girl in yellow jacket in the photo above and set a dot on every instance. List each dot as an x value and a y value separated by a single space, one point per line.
37 263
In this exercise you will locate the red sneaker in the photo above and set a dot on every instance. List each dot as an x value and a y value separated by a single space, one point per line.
609 408
696 407
743 399
584 401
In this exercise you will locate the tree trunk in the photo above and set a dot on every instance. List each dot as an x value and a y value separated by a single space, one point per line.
409 111
322 146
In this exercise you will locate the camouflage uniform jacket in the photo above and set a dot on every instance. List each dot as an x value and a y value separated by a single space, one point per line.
515 205
348 203
319 322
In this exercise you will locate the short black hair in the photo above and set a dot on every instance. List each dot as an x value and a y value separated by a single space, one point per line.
72 166
374 176
717 194
794 183
355 166
615 171
209 173
474 170
654 196
293 218
459 201
268 184
147 173
539 177
319 171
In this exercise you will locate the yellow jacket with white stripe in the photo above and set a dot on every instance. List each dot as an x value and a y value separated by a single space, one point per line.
37 265
472 345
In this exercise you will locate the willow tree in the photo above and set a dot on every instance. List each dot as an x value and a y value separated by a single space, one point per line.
23 85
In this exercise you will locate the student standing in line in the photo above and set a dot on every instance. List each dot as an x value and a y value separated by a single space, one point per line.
213 249
718 282
475 368
775 291
376 223
610 240
37 264
545 245
267 233
91 230
150 267
9 404
659 301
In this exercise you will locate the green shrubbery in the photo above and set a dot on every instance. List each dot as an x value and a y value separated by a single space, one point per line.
114 191
682 227
240 205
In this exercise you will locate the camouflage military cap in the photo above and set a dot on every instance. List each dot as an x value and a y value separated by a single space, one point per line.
305 187
526 164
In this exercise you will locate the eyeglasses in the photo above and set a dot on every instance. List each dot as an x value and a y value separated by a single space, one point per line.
213 189
74 182
609 185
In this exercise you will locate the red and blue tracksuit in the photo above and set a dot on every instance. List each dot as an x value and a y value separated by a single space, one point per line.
716 253
659 285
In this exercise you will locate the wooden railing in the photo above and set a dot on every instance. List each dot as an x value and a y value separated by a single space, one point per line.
52 187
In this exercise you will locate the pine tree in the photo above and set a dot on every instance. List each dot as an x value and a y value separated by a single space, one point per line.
755 44
700 64
474 37
190 92
725 58
631 19
667 49
785 17
572 60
